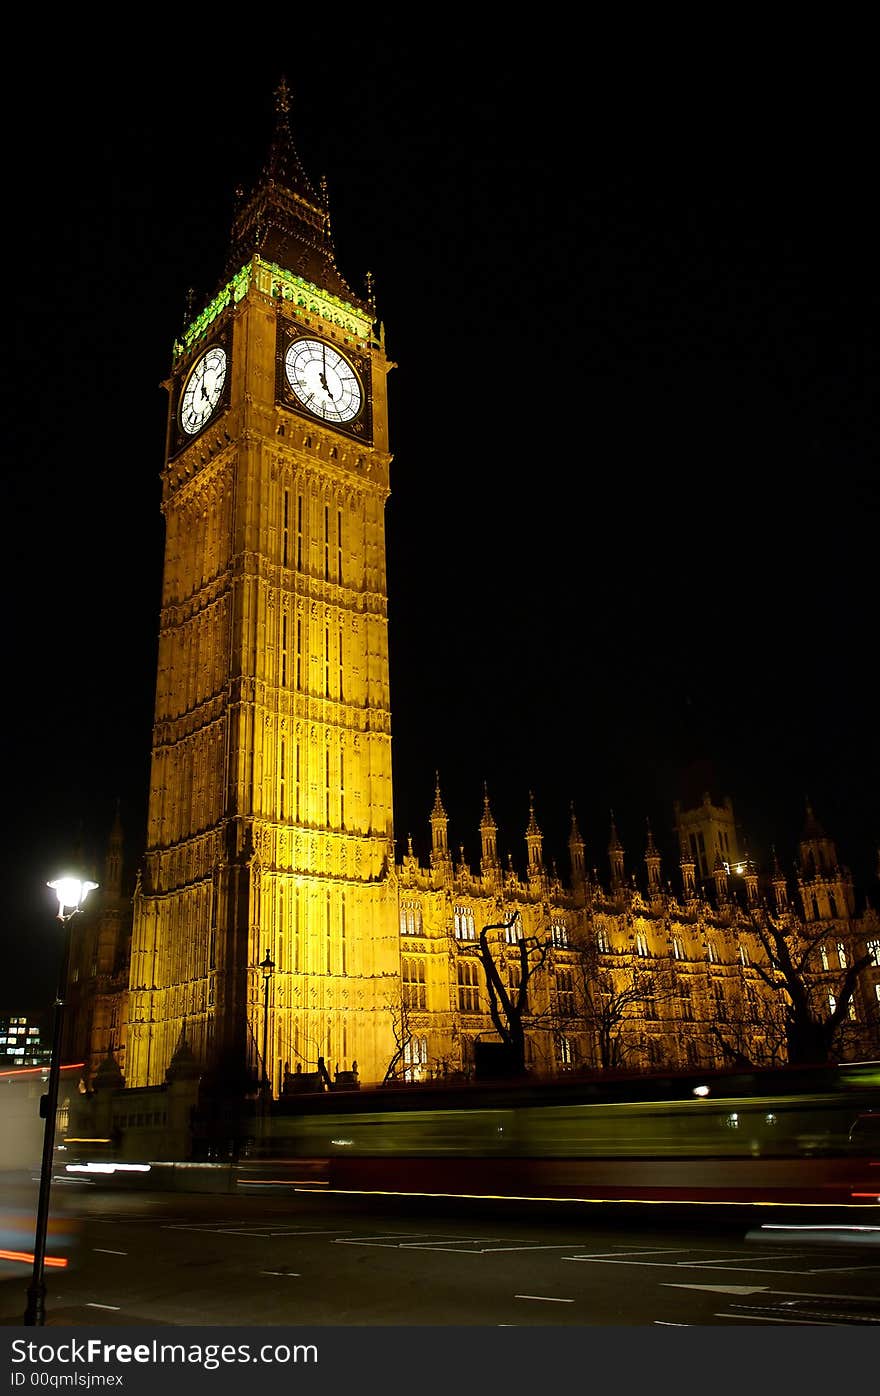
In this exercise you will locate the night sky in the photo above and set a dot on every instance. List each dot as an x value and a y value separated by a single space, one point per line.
633 529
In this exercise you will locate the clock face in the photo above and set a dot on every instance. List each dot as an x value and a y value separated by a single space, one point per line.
323 381
202 390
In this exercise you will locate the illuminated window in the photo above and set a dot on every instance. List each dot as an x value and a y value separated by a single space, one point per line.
641 943
413 978
564 993
513 930
464 923
410 919
873 949
678 947
602 940
823 955
514 974
415 1059
719 1003
712 952
832 1003
468 987
841 954
566 1053
743 955
559 933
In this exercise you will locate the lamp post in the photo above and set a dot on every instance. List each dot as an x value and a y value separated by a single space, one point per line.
268 967
71 893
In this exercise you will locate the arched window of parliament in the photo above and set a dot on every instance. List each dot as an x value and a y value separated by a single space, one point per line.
415 1059
410 919
564 993
468 987
413 977
513 931
559 933
463 919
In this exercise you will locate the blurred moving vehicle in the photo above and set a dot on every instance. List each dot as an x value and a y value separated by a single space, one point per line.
790 1136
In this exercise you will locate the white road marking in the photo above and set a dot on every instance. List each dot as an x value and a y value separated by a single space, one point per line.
115 1307
497 1250
721 1289
616 1255
728 1267
811 1294
102 1250
798 1322
544 1298
285 1274
663 1323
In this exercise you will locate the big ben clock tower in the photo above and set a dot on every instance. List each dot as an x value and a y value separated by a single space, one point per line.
270 807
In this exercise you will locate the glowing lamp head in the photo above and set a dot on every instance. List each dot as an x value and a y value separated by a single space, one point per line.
71 893
701 1090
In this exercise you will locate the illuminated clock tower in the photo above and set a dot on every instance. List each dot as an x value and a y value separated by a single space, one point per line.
270 808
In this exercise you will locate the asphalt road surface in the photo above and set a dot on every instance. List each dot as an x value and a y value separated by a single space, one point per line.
313 1259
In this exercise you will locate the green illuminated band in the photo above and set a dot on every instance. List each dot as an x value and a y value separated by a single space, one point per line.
283 285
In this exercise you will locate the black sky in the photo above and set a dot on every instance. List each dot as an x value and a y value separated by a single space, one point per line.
632 296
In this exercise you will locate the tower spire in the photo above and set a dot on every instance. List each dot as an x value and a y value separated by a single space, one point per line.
284 218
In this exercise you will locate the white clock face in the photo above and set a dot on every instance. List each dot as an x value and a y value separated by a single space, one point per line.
202 390
323 381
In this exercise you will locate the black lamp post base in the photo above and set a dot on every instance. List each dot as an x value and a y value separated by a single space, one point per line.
35 1313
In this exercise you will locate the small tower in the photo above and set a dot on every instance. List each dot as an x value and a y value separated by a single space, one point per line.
615 857
534 842
719 874
688 868
489 866
652 863
577 853
826 888
779 885
750 878
439 821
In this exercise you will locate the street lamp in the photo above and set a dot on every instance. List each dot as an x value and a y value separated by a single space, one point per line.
268 967
71 893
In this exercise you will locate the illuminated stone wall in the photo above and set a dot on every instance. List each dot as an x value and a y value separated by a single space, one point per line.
270 810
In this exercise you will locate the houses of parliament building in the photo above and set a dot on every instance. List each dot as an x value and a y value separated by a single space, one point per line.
272 929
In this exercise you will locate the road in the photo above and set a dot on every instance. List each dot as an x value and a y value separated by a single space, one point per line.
313 1259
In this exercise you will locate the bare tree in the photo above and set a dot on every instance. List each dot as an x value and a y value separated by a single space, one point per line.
613 1000
792 975
402 1036
750 1033
508 1008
